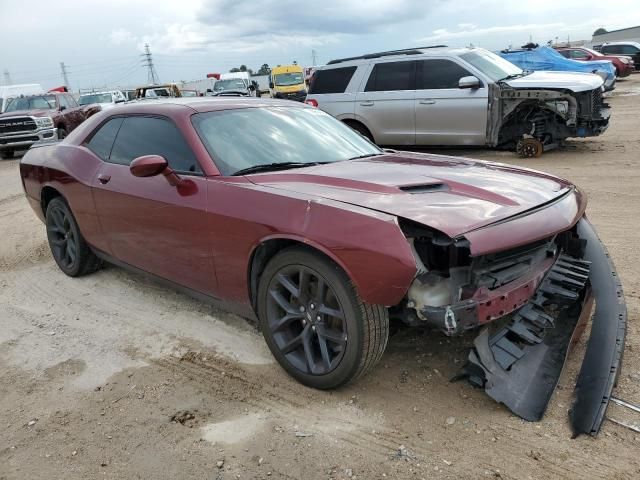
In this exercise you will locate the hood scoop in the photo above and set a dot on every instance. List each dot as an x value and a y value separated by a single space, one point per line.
426 188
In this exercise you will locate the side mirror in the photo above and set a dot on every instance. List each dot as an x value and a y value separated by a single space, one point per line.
469 82
252 87
148 166
62 107
271 85
152 165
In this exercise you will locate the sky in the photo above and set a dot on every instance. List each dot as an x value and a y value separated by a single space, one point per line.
101 43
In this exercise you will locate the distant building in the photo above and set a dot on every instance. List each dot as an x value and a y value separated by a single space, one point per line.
631 34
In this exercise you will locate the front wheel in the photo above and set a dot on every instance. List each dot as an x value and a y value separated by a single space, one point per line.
68 246
314 321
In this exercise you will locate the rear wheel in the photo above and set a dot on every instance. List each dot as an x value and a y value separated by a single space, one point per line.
314 321
68 246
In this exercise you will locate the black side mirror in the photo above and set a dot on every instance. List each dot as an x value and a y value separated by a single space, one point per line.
62 107
271 85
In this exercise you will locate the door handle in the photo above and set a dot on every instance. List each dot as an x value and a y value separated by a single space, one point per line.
367 103
427 102
103 178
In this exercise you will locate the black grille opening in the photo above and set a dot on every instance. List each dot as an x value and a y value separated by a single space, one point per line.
17 124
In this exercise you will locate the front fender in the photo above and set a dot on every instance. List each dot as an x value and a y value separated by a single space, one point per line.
369 246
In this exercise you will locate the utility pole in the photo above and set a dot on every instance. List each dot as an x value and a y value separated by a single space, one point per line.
314 58
152 75
63 69
7 78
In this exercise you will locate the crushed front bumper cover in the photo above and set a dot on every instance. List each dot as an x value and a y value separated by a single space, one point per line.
520 364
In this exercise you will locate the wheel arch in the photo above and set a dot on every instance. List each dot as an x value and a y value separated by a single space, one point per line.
269 247
47 194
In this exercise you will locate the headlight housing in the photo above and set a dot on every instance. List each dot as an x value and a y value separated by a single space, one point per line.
44 122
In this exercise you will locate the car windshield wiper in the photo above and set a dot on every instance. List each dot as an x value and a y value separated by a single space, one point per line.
366 155
523 73
271 167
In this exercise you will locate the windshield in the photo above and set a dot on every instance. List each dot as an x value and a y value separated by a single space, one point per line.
95 98
593 52
299 135
43 102
492 65
285 79
231 84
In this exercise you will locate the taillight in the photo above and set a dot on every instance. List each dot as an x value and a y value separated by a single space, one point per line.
312 102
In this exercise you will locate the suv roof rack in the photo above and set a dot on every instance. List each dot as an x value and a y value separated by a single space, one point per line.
405 51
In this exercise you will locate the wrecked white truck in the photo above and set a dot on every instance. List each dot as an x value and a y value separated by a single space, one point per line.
459 96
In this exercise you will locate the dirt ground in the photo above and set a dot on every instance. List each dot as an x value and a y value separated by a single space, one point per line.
112 376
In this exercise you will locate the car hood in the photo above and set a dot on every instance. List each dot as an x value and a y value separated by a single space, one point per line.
452 195
28 113
574 81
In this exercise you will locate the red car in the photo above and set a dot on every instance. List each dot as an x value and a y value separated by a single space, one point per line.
623 65
306 226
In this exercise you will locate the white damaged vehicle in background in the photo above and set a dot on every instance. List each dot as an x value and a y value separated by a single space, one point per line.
459 96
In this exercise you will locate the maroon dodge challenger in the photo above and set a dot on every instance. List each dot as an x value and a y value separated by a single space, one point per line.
280 213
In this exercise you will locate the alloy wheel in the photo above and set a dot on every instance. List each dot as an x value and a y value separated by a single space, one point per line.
306 320
64 244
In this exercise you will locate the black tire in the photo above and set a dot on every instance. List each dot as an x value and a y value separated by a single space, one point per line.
62 133
354 333
7 154
362 130
68 246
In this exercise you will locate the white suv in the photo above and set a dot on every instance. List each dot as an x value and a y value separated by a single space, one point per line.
458 96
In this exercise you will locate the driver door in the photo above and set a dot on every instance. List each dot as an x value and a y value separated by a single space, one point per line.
148 223
446 114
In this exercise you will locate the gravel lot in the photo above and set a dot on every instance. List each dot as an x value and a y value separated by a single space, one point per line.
93 370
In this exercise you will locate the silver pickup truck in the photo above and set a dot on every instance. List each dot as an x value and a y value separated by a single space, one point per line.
459 96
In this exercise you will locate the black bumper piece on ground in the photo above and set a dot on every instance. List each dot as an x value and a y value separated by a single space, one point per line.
521 363
603 357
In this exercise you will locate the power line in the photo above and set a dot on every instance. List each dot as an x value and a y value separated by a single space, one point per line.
152 75
63 69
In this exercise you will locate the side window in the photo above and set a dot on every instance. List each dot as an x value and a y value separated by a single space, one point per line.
62 101
102 140
629 50
566 53
153 136
615 49
71 102
439 74
578 54
334 80
392 76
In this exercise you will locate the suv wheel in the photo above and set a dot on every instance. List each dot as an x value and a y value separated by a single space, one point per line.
362 130
314 322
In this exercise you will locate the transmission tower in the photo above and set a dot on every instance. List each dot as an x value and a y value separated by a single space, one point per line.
152 75
314 58
63 69
7 78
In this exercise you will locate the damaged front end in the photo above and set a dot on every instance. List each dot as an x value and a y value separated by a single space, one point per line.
548 288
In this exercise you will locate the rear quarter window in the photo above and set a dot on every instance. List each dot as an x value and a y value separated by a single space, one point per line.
101 141
334 80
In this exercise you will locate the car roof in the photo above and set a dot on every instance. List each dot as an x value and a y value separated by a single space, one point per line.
200 104
99 93
435 51
637 44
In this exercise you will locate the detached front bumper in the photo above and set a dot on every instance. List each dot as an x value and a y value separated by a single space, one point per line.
520 364
23 140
